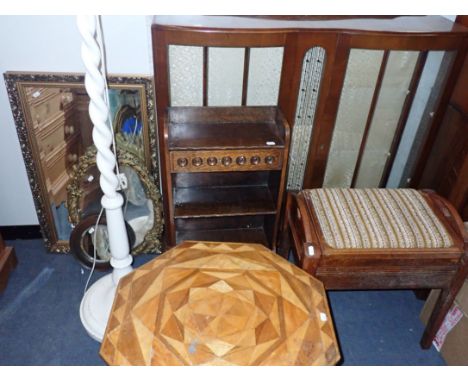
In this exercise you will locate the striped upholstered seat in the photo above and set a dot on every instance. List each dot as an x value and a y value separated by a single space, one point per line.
377 218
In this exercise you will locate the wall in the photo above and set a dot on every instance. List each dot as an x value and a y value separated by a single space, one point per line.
52 43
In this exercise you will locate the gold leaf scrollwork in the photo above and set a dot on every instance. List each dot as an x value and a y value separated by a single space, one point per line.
152 240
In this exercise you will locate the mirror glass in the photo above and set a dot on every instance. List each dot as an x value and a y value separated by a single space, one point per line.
62 131
52 118
138 207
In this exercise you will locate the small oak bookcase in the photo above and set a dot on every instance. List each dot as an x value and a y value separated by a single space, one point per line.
225 177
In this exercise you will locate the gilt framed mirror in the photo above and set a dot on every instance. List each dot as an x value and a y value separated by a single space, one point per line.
55 133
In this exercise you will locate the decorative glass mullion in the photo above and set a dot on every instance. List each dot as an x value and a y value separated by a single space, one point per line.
307 100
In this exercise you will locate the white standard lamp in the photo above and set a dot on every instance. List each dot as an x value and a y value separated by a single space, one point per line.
97 302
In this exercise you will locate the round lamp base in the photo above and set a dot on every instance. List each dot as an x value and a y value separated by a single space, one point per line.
96 306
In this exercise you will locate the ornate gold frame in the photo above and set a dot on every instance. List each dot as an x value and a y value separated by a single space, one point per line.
16 82
151 242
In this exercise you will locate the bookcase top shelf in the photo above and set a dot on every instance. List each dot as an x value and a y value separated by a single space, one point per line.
208 128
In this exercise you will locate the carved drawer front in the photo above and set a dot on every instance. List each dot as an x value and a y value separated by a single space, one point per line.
58 189
226 160
36 95
48 104
55 132
61 160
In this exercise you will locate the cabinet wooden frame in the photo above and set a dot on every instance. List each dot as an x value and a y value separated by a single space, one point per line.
338 45
446 170
296 35
163 36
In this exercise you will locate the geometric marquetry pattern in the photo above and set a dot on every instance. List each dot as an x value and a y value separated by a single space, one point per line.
208 303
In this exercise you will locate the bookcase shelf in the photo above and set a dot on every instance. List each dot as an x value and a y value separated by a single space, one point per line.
223 201
244 235
226 173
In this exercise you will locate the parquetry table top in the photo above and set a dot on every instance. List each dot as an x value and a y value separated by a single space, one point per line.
208 303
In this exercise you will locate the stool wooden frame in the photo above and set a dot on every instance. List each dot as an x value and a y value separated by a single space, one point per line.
342 269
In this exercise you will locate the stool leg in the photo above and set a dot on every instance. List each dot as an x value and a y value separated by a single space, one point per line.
310 265
443 305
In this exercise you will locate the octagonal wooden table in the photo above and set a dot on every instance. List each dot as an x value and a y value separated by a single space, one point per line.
209 303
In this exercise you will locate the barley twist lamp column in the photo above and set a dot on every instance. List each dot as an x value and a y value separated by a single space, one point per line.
97 302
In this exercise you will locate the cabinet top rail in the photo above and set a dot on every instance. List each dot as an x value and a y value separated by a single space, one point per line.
385 24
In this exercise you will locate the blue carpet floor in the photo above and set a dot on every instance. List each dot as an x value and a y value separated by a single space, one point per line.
40 324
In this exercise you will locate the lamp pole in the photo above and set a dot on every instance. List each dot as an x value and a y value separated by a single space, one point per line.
97 302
